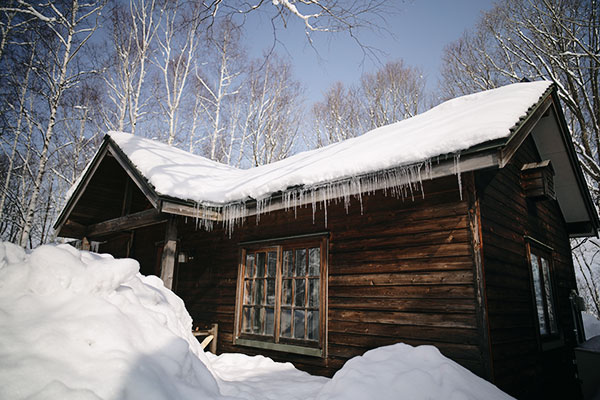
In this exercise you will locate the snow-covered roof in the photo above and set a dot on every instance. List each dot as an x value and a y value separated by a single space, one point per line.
451 127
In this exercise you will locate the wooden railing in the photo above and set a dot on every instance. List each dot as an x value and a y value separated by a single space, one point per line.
210 337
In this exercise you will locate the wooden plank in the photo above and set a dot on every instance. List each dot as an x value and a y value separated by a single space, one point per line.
407 292
404 279
442 320
72 229
399 304
128 222
362 266
400 240
171 207
434 334
421 251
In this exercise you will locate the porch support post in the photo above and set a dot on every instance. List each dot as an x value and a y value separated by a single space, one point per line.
167 269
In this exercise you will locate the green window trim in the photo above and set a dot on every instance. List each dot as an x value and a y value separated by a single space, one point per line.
281 296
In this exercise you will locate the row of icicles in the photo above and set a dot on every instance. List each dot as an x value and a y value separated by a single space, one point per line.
401 182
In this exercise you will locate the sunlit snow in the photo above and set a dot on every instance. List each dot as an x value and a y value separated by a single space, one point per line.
448 128
78 325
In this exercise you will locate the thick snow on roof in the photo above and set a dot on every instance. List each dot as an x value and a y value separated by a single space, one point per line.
451 127
79 325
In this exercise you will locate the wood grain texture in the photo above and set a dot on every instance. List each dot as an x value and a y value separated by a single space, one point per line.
520 365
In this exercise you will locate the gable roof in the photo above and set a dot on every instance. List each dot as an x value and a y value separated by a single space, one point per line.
470 132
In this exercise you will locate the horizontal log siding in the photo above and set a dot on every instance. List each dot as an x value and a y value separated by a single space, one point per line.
400 271
519 366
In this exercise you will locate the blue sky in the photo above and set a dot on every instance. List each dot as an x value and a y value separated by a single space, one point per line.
418 34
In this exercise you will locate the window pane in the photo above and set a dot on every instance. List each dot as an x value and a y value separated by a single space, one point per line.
259 292
246 318
286 292
314 261
248 292
539 301
258 318
299 324
299 293
286 323
260 265
270 292
269 322
250 265
287 263
272 264
300 262
549 296
313 293
312 325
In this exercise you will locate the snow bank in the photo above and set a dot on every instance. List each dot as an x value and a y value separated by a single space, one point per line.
77 325
84 326
403 371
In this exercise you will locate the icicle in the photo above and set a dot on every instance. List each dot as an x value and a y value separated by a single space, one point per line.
458 173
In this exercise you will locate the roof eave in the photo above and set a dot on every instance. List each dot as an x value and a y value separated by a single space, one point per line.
107 148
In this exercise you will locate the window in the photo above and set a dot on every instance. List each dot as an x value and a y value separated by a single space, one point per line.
281 298
541 274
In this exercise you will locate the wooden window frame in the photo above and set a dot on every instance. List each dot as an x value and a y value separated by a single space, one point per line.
277 342
539 250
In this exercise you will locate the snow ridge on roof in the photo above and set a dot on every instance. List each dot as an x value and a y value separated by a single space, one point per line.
450 127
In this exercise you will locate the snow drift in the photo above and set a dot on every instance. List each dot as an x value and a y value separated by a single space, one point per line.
78 325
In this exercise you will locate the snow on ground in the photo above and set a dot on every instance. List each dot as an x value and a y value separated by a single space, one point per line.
451 127
83 326
260 377
591 325
78 325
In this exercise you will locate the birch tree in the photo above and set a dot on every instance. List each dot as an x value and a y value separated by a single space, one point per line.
390 94
273 111
537 39
71 25
177 44
219 82
339 116
133 29
393 93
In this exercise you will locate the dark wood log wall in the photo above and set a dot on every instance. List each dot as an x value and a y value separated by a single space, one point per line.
400 272
519 365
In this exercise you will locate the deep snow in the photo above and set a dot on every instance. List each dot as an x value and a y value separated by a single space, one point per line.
78 325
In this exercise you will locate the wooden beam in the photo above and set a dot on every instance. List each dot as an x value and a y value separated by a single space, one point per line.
131 221
72 229
126 199
167 265
133 173
81 186
526 127
189 211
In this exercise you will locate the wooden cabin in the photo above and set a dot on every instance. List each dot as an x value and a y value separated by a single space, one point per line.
467 249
